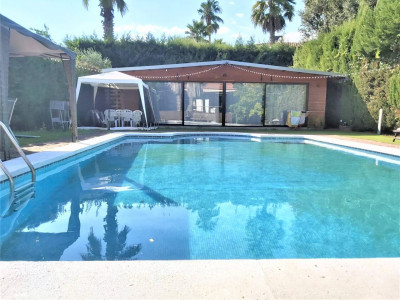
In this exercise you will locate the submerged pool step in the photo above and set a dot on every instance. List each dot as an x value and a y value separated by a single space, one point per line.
22 195
24 188
21 200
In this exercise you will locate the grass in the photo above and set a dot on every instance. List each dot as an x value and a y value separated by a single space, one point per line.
65 136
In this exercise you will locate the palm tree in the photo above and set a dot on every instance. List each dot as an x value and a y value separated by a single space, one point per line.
197 30
208 11
107 12
271 15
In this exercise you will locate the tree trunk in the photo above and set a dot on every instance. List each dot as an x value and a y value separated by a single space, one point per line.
108 23
272 38
271 24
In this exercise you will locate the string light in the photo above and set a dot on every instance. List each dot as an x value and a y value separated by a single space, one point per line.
181 75
259 73
285 76
239 68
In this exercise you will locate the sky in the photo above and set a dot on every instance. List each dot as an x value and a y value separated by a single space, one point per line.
169 17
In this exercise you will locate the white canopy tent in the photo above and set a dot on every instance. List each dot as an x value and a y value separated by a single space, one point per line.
116 80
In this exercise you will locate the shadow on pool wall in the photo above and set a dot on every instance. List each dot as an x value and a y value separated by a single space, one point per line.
87 183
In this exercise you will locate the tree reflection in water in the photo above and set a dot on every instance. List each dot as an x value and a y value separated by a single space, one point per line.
206 219
264 232
116 248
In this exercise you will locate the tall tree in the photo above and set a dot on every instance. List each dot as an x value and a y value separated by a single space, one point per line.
208 11
197 30
323 15
43 32
107 12
270 15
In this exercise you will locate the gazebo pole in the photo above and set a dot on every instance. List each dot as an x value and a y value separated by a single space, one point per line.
4 111
69 67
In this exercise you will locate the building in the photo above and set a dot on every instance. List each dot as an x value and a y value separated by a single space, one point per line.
230 93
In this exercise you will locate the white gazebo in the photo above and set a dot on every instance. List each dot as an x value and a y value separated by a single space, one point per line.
116 80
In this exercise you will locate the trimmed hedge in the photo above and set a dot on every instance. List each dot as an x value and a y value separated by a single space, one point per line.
128 52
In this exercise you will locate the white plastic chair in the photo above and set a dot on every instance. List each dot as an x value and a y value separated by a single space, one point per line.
126 116
110 115
11 105
59 113
66 118
137 117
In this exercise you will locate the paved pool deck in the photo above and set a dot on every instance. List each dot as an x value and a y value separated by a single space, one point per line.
371 278
203 279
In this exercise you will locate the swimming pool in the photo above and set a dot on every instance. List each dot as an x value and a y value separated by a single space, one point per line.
210 198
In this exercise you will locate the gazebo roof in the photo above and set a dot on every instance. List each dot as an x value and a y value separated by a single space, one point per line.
26 43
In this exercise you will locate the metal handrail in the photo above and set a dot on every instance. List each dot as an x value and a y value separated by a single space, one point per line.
16 145
10 178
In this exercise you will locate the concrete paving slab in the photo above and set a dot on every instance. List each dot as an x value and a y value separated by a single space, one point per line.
203 279
371 278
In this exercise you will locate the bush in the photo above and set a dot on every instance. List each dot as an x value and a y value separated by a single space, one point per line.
368 49
35 81
128 52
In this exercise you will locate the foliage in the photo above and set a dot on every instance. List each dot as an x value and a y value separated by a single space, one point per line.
42 32
270 15
209 11
128 51
107 12
394 89
35 81
367 48
322 16
248 103
387 30
197 31
89 61
354 112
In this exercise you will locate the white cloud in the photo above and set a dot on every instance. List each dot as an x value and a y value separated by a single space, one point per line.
232 3
293 37
239 15
223 30
153 29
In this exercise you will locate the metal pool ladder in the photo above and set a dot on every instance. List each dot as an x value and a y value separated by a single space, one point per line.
20 195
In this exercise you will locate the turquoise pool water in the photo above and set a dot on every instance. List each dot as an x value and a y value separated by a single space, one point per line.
209 198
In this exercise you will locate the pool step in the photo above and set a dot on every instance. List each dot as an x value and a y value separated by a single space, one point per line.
22 195
20 190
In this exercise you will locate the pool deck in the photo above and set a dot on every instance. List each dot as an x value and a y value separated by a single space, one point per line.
371 278
203 279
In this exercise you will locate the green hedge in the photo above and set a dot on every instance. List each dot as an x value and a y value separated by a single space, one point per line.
368 49
128 52
35 81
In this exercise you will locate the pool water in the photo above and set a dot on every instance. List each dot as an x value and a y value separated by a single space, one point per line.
209 198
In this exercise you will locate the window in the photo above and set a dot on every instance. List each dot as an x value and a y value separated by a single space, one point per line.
283 97
244 104
202 103
167 99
